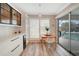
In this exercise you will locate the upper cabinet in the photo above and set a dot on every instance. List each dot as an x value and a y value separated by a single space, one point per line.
5 13
9 15
16 17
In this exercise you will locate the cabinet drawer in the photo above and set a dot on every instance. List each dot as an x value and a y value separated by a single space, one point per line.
15 42
16 45
17 50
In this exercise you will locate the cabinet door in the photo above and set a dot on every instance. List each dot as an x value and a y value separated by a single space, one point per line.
19 19
5 13
16 17
8 15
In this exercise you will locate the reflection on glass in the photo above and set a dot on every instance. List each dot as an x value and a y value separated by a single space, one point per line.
64 37
69 39
75 32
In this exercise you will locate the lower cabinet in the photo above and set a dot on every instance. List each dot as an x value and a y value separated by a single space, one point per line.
12 47
4 48
17 50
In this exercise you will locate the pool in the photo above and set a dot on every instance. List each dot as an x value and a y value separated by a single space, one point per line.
73 36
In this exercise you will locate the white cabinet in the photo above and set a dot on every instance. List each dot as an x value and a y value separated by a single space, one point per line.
18 46
12 47
4 48
17 50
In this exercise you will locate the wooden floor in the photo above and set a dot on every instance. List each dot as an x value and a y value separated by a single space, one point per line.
43 49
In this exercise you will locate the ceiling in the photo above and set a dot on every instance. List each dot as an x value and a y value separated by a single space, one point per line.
41 8
75 12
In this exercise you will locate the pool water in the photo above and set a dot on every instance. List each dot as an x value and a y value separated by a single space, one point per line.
73 36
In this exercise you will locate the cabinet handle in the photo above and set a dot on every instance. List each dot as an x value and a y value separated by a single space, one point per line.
15 39
15 48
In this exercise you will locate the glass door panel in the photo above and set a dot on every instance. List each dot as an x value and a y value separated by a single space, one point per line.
64 34
75 31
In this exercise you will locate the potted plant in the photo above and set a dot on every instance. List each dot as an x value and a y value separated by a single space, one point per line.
47 29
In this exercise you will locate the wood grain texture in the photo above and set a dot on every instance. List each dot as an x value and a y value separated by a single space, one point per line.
44 49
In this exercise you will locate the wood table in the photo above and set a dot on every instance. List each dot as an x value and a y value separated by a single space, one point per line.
48 39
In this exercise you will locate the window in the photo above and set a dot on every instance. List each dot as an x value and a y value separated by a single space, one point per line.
34 28
38 26
43 24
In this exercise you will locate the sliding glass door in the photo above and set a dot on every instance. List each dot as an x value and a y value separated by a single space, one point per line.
75 31
69 31
64 34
